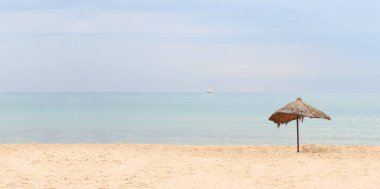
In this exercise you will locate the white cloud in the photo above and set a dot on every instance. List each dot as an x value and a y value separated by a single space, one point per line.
111 22
85 64
250 46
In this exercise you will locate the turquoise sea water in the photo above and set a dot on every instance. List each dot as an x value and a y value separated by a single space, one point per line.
183 118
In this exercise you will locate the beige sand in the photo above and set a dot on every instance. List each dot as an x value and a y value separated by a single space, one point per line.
169 166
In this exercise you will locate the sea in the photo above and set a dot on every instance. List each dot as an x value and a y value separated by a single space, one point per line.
185 118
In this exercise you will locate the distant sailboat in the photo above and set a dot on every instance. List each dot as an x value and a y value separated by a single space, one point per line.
210 90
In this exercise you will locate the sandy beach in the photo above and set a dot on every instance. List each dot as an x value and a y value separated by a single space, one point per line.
176 166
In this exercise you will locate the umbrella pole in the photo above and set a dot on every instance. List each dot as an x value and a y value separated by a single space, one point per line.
298 140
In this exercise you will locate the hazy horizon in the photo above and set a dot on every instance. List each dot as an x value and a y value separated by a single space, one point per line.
170 46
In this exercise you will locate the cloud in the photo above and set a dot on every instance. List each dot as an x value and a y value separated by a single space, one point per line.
109 65
186 45
102 22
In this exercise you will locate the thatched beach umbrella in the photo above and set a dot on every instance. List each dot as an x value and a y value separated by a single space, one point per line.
295 111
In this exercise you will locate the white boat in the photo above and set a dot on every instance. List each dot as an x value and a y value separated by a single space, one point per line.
210 90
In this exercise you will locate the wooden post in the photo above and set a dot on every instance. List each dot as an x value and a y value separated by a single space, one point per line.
298 140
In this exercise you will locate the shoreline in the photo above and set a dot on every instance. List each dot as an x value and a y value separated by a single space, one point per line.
188 166
187 145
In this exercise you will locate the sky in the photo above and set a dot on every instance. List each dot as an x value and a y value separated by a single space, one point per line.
184 46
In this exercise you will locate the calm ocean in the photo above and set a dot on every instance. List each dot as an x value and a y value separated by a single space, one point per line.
183 118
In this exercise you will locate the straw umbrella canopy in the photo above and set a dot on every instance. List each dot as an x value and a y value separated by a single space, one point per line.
295 111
